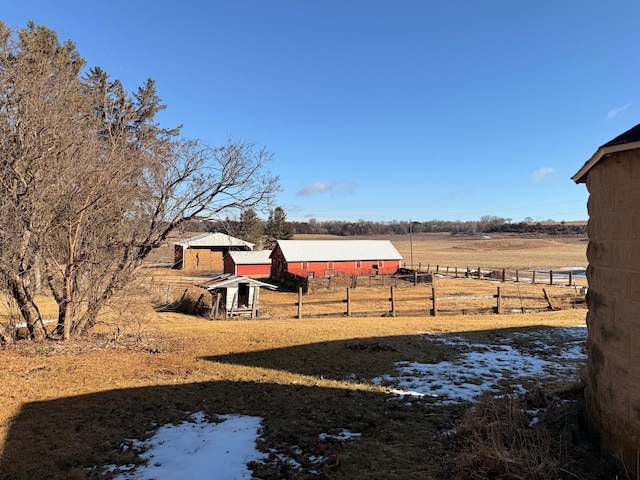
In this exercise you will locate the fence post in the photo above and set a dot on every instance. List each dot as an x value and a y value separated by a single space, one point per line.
456 272
184 294
216 305
393 304
478 272
234 302
299 302
415 278
433 301
254 305
348 302
517 276
533 277
437 268
504 275
550 277
498 302
548 299
570 278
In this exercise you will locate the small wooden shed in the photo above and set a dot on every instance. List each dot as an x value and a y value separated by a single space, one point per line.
612 177
255 264
207 251
321 258
234 295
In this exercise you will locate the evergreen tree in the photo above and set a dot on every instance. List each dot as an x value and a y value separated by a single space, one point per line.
251 227
277 227
91 183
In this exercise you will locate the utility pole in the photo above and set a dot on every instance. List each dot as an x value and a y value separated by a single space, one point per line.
411 241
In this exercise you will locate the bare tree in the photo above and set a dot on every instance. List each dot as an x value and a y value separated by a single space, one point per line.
39 85
92 184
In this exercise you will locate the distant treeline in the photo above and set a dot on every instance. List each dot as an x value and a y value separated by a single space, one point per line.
486 225
482 226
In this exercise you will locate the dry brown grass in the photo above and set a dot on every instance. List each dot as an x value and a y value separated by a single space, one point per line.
69 407
503 251
75 405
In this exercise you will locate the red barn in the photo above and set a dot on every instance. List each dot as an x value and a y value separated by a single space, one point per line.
248 264
320 258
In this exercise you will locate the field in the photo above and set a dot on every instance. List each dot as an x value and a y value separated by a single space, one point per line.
501 251
71 410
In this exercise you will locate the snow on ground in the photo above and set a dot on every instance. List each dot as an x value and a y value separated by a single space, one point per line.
508 361
199 450
221 450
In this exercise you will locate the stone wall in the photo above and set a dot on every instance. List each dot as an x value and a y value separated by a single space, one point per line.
613 365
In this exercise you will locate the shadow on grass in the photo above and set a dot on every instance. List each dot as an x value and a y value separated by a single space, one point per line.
69 437
367 358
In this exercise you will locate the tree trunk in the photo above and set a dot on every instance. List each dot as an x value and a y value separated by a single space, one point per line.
66 307
28 309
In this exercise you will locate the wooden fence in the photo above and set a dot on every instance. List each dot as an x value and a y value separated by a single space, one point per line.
429 303
406 277
567 277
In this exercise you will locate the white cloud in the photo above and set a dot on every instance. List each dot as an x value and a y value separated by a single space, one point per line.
543 174
339 187
615 112
312 188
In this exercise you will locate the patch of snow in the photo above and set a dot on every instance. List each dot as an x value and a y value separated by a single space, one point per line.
342 436
199 450
487 367
45 321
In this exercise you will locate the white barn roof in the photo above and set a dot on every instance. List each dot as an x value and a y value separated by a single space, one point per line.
215 240
337 250
251 258
228 279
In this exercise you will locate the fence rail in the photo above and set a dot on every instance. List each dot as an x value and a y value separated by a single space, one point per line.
431 304
570 276
406 277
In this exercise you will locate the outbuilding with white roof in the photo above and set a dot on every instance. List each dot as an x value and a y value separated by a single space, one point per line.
255 264
320 258
206 251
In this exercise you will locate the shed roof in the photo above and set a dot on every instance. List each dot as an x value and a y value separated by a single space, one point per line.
214 240
628 140
337 250
257 257
228 279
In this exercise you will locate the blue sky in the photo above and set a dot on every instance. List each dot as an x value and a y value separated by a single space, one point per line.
382 110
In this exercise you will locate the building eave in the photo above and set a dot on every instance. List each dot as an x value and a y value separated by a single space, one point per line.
581 175
227 279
